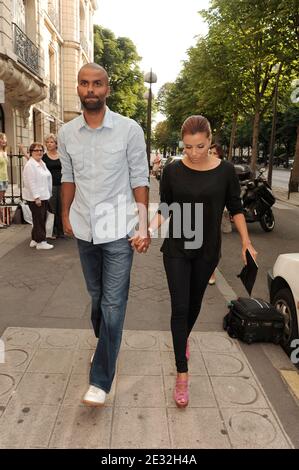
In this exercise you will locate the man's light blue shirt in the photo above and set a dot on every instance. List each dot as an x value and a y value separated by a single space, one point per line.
105 164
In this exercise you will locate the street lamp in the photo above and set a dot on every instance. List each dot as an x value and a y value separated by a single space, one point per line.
150 78
277 69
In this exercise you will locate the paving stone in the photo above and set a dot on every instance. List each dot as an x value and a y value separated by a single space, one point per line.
138 391
216 342
203 429
226 364
140 340
81 364
24 426
88 340
38 381
8 384
21 337
56 338
43 389
2 409
200 392
237 391
166 343
77 387
140 428
132 362
254 429
52 361
16 359
196 364
82 427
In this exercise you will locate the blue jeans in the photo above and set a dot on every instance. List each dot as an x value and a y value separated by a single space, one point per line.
106 268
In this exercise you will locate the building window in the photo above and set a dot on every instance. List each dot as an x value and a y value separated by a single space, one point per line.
20 14
52 76
2 123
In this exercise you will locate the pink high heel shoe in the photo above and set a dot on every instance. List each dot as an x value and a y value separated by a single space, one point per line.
187 351
181 393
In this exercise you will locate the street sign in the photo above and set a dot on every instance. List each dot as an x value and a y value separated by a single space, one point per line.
2 92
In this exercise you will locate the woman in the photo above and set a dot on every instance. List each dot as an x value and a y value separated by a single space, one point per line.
156 163
197 178
53 164
37 191
3 173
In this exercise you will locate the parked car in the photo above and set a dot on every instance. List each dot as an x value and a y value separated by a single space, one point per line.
283 284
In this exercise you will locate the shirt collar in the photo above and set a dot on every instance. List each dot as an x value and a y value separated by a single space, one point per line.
107 121
34 162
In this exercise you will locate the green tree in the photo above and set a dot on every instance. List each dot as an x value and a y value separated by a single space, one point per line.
259 33
165 139
121 60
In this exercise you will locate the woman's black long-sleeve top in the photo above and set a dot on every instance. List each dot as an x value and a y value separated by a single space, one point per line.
215 189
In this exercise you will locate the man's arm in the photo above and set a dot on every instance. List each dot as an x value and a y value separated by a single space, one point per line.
138 170
141 198
67 197
68 186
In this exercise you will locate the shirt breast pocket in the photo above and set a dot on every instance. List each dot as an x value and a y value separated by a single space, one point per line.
113 155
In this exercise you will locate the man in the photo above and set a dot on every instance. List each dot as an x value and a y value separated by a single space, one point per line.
104 175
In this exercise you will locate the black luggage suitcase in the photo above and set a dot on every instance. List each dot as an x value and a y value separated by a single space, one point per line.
253 320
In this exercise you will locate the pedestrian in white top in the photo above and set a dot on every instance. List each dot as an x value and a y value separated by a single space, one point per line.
37 181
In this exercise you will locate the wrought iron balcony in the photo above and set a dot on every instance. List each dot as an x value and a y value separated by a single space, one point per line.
53 93
26 51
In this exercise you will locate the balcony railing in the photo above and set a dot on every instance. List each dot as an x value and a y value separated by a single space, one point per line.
26 51
53 93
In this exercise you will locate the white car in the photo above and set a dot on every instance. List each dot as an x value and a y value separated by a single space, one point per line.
283 283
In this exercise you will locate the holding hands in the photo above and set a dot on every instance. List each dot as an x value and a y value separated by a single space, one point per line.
140 241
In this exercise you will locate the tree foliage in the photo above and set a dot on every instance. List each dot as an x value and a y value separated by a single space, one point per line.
230 74
121 60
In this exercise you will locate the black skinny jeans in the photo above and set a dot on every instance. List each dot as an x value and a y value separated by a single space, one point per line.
187 282
55 205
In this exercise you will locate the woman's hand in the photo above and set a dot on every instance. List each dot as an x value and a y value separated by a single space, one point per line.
139 242
38 202
248 246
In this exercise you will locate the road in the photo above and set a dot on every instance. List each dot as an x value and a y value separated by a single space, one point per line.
283 239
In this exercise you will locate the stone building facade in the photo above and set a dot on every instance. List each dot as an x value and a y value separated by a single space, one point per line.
43 43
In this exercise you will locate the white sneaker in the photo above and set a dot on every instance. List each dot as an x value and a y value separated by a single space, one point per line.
94 396
44 246
33 244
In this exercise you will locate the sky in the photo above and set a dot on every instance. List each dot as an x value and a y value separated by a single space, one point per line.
162 31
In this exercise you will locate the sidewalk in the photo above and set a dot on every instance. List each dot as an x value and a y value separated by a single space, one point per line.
48 345
282 195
